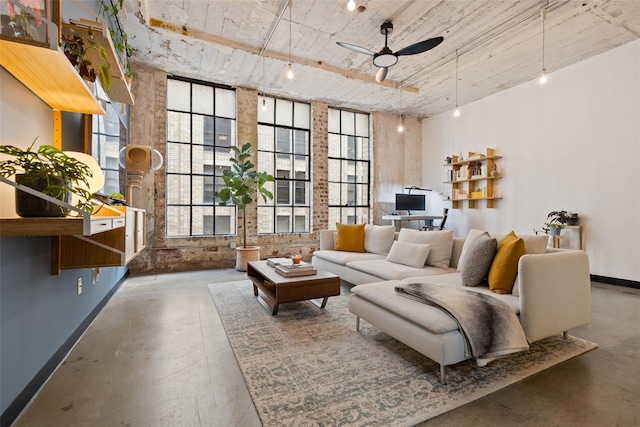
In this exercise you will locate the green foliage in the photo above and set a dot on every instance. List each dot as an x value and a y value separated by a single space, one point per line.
558 219
44 163
76 49
242 182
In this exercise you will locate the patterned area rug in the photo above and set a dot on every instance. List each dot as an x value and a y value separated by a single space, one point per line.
309 367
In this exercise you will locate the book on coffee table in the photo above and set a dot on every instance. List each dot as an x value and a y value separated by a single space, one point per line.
294 271
272 262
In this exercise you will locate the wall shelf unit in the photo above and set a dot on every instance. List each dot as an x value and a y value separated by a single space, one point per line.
120 90
471 179
111 236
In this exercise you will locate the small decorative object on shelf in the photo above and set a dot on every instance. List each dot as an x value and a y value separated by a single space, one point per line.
494 171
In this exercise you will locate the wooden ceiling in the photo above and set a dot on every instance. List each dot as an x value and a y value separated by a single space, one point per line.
499 45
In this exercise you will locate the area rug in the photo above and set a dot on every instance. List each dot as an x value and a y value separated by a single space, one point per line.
310 367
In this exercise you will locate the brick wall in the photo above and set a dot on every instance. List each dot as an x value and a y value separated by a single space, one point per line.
148 127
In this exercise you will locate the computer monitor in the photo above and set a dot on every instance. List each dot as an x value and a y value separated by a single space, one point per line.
410 202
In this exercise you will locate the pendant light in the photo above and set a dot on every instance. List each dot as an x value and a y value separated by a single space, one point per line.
351 6
543 75
264 100
289 69
456 112
400 127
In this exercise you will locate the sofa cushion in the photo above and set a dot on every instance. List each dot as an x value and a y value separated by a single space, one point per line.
342 257
349 237
378 238
384 295
407 253
441 243
478 260
471 236
504 267
388 270
533 243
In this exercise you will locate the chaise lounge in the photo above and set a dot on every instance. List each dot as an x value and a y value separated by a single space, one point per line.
549 291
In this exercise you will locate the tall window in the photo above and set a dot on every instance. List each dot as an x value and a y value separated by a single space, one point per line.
201 128
284 152
106 133
349 167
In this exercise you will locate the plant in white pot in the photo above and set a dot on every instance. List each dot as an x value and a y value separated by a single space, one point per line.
242 183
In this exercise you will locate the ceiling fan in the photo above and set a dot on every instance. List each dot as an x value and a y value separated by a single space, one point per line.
386 57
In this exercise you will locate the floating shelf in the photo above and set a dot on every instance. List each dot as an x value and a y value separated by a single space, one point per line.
120 90
49 74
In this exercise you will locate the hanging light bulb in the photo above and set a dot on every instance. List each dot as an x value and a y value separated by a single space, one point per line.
543 76
456 112
289 70
351 5
264 104
400 127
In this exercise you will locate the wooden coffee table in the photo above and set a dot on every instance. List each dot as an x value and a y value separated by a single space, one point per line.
279 289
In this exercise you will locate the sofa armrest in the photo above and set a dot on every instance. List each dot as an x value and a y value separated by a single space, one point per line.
555 293
327 239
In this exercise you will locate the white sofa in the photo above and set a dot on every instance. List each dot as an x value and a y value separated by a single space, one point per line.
551 293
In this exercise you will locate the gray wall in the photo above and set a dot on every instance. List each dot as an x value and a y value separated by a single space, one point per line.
38 311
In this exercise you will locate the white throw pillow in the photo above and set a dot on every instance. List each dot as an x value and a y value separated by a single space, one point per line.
406 253
440 242
473 233
378 238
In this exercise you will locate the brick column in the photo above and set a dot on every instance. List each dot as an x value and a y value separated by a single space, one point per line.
320 166
247 107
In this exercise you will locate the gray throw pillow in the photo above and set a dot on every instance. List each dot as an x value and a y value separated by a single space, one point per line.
478 260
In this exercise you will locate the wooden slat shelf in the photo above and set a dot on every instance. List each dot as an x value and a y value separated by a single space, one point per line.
49 74
120 90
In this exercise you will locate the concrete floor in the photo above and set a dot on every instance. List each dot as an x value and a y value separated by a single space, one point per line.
157 355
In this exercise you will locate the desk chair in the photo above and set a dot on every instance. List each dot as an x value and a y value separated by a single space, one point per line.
433 227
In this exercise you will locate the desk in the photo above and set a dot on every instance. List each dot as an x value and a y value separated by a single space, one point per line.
428 218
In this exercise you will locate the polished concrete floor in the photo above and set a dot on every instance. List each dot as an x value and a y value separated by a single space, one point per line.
157 355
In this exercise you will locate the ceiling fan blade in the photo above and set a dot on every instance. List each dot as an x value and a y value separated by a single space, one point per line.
381 74
355 48
420 47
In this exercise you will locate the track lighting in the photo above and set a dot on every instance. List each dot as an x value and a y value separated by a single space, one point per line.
351 6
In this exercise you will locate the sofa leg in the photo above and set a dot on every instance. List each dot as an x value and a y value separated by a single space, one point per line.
565 334
443 379
358 323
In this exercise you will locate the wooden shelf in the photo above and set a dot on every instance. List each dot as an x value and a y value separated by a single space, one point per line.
50 76
465 185
120 90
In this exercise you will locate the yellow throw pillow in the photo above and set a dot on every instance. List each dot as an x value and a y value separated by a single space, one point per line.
504 267
349 237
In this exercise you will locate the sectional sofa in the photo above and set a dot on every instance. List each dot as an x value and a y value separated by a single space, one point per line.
549 290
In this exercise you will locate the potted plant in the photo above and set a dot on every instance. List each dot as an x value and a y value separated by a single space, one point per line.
556 221
242 183
49 171
76 49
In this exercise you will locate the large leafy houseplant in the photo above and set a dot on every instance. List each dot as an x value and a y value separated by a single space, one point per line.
50 171
242 183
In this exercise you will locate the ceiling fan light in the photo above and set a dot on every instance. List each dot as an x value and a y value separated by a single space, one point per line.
385 60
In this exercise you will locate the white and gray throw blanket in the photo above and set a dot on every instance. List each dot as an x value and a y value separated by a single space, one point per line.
489 325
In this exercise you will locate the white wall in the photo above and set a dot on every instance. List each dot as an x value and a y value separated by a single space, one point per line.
573 144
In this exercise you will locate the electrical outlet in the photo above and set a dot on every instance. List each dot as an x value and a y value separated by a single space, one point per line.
79 285
232 245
